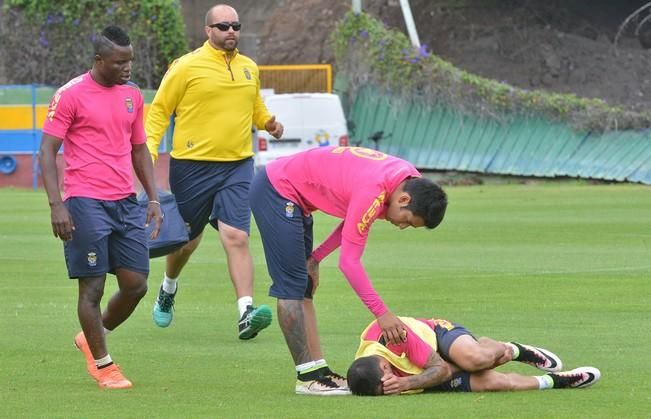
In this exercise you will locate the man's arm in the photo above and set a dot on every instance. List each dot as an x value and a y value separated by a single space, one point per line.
62 223
329 245
435 372
144 169
167 97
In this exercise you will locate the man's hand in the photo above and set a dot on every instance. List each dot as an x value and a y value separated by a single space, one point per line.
274 128
154 213
62 224
313 273
392 384
393 330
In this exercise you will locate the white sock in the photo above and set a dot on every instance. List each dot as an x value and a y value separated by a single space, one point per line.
169 284
319 363
305 367
243 303
515 349
103 361
544 382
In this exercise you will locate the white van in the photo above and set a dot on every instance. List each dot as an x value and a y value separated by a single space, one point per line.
310 120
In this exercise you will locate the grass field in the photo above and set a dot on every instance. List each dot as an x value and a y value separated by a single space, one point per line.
566 267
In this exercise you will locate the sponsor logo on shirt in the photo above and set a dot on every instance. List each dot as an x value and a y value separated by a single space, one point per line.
370 214
128 102
52 110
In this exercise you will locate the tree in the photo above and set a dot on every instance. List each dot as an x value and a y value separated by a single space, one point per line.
50 41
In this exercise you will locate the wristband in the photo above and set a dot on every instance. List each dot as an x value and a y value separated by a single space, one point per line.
155 202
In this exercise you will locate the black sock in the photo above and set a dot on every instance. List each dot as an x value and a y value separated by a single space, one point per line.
315 374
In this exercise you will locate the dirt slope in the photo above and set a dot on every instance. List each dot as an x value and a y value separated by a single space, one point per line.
563 46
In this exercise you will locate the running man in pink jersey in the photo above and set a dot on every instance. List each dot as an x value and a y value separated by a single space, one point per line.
353 183
98 117
440 356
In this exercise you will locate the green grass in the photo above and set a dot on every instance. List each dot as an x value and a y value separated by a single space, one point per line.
566 267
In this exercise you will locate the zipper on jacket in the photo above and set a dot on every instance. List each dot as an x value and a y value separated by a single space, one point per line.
228 65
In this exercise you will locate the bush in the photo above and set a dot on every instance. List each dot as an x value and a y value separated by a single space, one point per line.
368 53
50 41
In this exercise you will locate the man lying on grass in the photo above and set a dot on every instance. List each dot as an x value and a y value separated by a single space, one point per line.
438 355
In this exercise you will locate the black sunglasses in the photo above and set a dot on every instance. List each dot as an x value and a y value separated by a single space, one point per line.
223 26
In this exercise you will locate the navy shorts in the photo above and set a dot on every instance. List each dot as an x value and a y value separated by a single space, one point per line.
446 333
460 382
108 235
208 192
286 237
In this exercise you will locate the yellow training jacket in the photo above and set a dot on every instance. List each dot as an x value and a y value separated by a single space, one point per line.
215 103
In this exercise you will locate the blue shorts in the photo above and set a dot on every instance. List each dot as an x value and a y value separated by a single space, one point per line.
460 382
208 192
446 334
108 235
286 237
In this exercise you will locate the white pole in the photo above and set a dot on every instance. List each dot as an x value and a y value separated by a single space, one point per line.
409 22
357 6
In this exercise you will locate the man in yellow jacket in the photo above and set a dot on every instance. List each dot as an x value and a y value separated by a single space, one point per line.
214 95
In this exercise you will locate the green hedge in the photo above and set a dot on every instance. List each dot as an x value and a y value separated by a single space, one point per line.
367 52
50 41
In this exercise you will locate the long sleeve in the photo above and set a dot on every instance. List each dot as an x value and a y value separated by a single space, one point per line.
350 263
329 245
163 106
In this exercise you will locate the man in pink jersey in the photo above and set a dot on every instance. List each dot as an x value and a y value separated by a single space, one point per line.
440 356
353 183
98 117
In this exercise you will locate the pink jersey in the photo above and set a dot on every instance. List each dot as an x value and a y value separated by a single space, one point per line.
414 348
352 183
98 126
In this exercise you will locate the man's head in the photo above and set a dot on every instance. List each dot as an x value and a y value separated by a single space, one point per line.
365 375
223 27
113 57
417 202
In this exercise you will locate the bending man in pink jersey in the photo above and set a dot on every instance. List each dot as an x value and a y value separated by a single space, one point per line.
98 117
353 183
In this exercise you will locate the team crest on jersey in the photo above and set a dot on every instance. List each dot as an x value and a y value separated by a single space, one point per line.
289 210
247 74
128 102
92 259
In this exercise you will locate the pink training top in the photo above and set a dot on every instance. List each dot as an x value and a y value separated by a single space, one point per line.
415 348
352 183
98 125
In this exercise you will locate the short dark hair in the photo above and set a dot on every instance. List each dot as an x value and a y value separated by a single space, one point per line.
365 376
108 38
428 200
